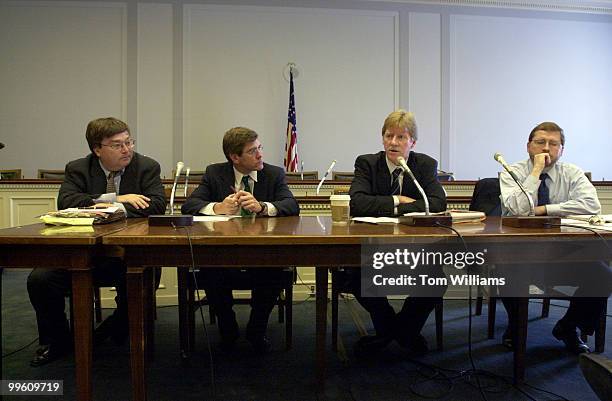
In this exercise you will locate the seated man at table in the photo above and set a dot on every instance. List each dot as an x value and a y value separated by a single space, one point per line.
380 188
557 189
111 175
244 185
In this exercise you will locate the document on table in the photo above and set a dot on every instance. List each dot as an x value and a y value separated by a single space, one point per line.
215 218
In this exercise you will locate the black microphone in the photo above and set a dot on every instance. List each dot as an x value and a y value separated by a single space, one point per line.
1 145
181 220
424 221
530 221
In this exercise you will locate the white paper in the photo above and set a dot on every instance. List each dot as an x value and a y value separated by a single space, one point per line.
215 218
377 220
111 209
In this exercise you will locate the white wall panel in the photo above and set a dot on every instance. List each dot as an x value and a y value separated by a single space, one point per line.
424 86
234 58
62 65
155 83
509 74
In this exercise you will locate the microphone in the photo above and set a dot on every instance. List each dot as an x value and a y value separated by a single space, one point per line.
404 166
172 220
530 221
331 167
302 170
179 168
500 159
424 221
186 180
1 145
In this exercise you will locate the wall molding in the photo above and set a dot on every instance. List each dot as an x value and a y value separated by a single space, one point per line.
574 6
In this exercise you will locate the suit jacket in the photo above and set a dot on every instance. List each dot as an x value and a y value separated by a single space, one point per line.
372 184
85 181
218 181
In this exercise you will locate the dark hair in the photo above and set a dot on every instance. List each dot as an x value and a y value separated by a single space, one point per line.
235 139
548 126
101 128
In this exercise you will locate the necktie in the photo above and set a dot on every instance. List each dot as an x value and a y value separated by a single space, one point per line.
395 183
247 188
543 194
110 183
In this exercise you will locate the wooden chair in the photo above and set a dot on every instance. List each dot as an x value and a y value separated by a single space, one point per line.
45 174
343 175
337 288
284 304
445 176
11 174
308 175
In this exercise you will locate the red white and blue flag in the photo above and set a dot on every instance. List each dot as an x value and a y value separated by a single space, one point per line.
291 152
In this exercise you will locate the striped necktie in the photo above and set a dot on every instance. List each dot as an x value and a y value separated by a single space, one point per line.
247 188
395 183
110 182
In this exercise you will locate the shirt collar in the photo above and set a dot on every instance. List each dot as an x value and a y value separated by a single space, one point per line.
107 172
391 166
238 175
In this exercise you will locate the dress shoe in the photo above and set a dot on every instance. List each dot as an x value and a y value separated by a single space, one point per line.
48 353
261 344
507 339
415 345
113 328
369 345
570 337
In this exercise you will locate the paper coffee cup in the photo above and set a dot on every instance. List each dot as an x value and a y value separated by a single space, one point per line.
340 208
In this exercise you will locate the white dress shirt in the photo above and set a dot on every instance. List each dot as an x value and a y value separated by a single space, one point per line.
570 190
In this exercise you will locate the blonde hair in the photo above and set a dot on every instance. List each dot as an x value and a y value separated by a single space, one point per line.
403 119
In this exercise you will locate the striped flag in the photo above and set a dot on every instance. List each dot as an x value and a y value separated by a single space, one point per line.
291 152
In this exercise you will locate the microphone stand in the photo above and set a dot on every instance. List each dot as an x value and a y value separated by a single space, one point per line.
428 220
178 220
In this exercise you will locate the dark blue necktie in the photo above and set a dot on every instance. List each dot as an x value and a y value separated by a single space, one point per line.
543 194
395 183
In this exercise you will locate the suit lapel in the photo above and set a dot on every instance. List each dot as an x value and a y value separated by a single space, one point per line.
98 179
261 185
226 180
383 178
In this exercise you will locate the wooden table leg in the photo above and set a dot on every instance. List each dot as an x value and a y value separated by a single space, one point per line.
82 303
136 288
321 326
520 338
182 280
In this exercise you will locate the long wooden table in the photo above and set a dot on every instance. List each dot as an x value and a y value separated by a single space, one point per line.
71 248
303 241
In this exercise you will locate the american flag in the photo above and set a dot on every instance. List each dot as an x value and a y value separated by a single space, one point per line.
291 153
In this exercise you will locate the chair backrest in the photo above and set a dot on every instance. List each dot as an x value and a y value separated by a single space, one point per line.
50 174
296 175
343 175
195 176
486 197
11 174
444 176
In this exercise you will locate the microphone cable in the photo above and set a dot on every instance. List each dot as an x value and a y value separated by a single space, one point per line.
199 301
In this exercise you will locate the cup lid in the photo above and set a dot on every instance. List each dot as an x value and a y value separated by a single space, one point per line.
340 197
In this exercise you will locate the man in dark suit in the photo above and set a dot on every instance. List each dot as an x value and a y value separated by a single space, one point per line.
381 189
247 186
112 175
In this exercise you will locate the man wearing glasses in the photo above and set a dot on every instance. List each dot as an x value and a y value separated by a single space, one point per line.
111 175
245 186
557 189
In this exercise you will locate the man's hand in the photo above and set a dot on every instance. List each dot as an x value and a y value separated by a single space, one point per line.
247 201
405 199
229 206
540 210
138 201
540 161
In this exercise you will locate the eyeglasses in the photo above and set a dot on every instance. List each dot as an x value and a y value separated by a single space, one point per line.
251 152
118 145
542 142
388 136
